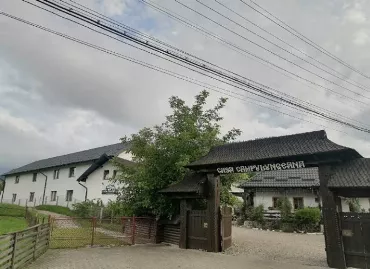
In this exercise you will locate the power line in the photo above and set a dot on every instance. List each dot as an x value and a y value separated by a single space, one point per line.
238 49
270 51
201 66
359 85
302 37
153 67
116 23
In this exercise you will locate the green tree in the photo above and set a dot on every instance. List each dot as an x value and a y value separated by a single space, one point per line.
162 152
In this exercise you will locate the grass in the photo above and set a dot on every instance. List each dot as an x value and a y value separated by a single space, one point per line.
12 224
80 237
57 209
12 210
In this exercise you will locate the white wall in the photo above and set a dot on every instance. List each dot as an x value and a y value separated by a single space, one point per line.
265 198
61 185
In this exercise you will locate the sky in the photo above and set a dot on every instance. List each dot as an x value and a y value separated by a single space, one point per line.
58 97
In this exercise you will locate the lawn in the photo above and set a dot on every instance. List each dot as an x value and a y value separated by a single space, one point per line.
57 209
12 210
12 224
81 237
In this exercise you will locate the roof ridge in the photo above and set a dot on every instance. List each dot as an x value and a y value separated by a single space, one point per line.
320 134
73 153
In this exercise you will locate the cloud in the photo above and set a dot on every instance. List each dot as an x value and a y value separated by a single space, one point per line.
57 96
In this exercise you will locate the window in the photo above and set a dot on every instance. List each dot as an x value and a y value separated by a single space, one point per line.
14 197
114 174
298 203
69 195
72 171
275 202
34 177
106 173
53 196
32 196
56 173
16 179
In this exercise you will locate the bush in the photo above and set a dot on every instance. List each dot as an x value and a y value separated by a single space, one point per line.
307 219
56 209
285 207
117 209
89 208
257 214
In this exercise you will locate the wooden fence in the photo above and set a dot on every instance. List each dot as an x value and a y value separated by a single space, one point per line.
21 248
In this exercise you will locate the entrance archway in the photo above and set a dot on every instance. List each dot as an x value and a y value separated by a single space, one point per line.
303 150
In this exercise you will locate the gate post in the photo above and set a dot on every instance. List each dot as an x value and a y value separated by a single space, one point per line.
333 238
183 224
213 212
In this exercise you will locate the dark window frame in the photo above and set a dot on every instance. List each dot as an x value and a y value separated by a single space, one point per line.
114 174
53 198
34 177
105 174
56 174
17 179
32 196
72 171
69 198
14 197
275 202
299 206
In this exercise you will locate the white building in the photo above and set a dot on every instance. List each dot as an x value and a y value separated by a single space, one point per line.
301 186
66 179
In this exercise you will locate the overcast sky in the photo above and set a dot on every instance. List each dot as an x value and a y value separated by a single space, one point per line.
58 97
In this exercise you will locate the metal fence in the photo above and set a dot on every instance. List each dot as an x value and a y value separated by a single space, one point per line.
21 248
81 232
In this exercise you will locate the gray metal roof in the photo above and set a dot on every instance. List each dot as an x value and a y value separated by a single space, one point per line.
192 183
352 174
300 178
72 158
273 148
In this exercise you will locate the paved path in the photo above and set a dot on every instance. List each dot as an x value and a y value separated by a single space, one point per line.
152 257
62 220
289 247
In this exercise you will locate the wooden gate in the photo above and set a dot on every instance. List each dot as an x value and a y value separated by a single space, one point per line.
197 228
226 227
356 239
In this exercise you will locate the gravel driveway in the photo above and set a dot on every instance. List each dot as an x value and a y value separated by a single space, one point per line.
296 248
152 257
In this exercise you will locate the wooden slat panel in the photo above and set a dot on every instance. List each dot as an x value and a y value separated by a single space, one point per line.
5 259
25 243
6 265
5 246
20 256
5 238
5 252
24 261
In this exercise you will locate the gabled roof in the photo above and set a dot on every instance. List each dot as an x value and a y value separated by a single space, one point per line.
300 178
352 174
274 149
72 158
192 183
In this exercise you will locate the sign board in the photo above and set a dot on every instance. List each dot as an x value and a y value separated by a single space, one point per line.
110 189
261 167
347 233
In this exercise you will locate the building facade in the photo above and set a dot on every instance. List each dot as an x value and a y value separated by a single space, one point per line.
66 179
300 186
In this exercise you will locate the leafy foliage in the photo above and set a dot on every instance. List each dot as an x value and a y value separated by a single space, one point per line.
285 207
89 208
257 214
117 209
162 152
307 219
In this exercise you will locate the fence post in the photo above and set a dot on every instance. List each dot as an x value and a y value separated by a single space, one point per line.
93 230
14 249
37 239
133 230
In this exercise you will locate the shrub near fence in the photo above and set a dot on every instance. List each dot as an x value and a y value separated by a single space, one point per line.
20 248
